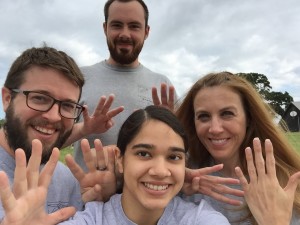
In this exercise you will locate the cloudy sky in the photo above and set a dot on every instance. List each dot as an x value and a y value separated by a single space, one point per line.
188 38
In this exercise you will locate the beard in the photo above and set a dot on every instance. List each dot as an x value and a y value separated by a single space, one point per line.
124 57
17 137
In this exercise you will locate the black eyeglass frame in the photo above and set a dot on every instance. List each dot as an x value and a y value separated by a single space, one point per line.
26 93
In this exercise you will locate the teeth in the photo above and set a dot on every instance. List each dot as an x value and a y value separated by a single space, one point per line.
156 187
219 141
44 130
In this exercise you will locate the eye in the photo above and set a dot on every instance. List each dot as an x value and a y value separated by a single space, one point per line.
227 114
68 106
134 26
203 117
143 154
37 98
116 25
176 157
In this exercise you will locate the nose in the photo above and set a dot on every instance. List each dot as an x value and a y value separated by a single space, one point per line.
159 168
125 32
216 126
53 114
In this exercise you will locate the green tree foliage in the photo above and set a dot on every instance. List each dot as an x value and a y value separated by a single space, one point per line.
1 122
278 100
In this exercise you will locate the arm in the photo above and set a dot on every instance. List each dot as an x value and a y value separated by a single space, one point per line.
167 100
26 204
269 203
99 183
99 122
198 181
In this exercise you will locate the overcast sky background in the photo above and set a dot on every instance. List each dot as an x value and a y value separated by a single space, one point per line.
188 38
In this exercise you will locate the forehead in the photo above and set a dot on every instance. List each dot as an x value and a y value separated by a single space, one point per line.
51 81
218 96
126 12
159 134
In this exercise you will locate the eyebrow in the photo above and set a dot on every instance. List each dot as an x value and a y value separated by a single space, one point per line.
151 147
48 93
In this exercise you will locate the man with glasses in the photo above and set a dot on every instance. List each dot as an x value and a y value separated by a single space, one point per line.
40 99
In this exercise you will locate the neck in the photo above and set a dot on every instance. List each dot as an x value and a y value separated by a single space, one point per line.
4 143
112 62
229 167
139 214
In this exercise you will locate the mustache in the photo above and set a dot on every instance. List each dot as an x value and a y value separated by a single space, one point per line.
124 41
43 122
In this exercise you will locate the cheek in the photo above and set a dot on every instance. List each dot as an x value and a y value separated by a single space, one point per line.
200 129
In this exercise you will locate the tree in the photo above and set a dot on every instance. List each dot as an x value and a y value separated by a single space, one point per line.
1 122
277 100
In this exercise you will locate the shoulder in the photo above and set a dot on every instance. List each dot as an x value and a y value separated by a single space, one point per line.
190 213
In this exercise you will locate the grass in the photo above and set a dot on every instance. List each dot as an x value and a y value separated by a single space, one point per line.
64 152
293 137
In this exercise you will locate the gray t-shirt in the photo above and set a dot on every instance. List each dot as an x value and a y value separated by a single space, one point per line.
132 89
177 211
63 191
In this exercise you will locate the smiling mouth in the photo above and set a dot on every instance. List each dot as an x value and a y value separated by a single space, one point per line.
218 141
44 130
156 187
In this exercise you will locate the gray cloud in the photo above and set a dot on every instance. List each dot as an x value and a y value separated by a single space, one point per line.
187 38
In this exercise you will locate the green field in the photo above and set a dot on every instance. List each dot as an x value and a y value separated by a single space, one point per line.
294 139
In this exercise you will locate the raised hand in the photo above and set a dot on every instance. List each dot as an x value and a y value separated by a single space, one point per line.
167 100
267 200
26 205
99 183
198 181
99 122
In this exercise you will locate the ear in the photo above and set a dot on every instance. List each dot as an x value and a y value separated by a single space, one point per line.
6 98
105 28
119 160
147 30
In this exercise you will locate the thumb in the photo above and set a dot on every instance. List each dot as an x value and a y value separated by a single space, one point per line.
61 215
293 183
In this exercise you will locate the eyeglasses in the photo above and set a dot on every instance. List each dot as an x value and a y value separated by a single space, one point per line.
43 103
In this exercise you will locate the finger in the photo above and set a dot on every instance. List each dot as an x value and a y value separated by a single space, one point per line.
7 198
48 170
191 173
219 180
99 107
259 160
250 165
155 98
34 164
112 113
242 178
293 183
85 113
76 170
171 97
163 94
20 179
101 162
270 159
108 104
225 190
60 215
88 157
111 158
225 199
92 194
